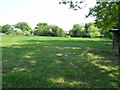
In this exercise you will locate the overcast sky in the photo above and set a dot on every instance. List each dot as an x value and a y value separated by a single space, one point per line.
39 11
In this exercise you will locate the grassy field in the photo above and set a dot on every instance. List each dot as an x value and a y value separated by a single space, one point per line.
46 62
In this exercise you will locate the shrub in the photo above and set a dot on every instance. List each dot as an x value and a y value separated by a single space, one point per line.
13 33
6 28
0 29
49 31
26 33
93 32
68 36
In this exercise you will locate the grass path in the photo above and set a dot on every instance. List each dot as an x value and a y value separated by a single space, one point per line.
45 62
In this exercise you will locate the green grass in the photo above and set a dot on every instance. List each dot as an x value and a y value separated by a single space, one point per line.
46 62
1 34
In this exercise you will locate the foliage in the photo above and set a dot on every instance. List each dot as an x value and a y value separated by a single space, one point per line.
26 33
6 28
14 33
0 28
74 4
20 28
93 32
106 14
60 33
43 29
106 33
56 31
68 36
23 26
77 31
19 32
41 25
87 25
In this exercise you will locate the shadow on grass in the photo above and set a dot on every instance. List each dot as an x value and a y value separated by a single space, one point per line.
59 63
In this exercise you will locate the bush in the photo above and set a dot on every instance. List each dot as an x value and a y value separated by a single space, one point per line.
11 33
26 33
18 33
6 28
68 36
32 32
60 32
14 33
93 32
49 31
77 31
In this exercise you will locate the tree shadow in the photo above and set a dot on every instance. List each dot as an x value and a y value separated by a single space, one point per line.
59 63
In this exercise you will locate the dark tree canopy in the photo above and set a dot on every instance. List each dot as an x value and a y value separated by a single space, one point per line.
41 24
77 30
23 26
6 28
87 25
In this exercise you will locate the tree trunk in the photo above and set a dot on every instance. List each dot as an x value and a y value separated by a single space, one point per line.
119 48
116 43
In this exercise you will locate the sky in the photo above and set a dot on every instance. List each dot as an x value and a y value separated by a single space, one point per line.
43 11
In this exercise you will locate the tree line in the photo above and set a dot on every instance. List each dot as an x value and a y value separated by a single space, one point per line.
43 29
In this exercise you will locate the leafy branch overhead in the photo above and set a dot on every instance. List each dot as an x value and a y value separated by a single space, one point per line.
106 13
75 5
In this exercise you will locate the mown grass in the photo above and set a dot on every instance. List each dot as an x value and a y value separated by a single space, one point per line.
47 62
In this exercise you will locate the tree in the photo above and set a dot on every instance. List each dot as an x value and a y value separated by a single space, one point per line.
107 17
6 28
106 14
93 31
57 31
41 25
54 29
23 26
87 25
60 32
77 30
42 29
106 33
0 28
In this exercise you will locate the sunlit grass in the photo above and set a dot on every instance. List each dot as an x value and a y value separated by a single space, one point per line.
46 62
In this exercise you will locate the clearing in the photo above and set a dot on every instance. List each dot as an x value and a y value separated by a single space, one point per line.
45 62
